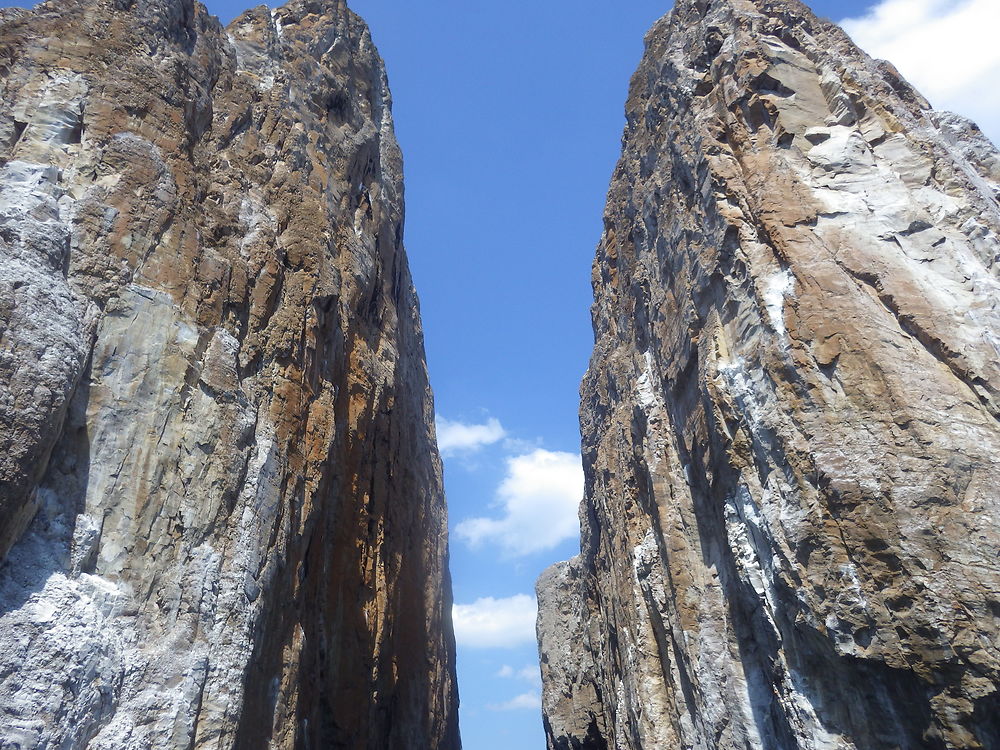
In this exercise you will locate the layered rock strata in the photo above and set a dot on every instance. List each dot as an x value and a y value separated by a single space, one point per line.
791 529
220 496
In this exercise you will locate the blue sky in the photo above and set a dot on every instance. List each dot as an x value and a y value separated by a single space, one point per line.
510 117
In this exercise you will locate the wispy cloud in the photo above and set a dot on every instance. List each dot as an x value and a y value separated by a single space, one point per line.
496 623
524 701
946 48
529 674
539 498
460 437
520 445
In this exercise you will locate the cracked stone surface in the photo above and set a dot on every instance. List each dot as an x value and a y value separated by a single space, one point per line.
791 529
221 509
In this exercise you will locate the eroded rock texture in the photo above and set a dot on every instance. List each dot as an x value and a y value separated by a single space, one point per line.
213 398
791 531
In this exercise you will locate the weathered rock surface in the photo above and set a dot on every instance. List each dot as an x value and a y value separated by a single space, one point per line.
220 496
791 530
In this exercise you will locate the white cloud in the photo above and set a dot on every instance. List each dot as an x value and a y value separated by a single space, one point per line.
459 437
946 48
529 674
531 701
539 496
520 445
496 623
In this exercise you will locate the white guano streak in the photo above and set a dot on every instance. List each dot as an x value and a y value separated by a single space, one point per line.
777 287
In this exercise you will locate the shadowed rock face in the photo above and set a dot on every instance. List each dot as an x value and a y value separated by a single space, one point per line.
791 530
220 496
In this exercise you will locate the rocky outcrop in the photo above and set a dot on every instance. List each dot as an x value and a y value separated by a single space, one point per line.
791 530
220 496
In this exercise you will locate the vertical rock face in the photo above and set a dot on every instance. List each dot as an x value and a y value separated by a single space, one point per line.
791 531
220 497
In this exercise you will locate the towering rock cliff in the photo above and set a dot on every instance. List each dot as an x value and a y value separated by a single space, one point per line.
220 497
791 530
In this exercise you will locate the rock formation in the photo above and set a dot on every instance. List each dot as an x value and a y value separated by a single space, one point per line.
220 496
791 529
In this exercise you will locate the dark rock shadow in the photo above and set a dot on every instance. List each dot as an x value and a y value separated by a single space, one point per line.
46 546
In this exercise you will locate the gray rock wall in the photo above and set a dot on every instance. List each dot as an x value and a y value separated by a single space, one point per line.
791 530
221 508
